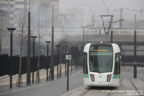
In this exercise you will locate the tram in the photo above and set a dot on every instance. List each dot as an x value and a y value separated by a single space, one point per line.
101 64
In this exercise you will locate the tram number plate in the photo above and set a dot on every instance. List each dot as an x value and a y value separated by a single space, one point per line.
68 57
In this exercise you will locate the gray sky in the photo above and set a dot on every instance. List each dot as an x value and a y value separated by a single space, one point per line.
98 7
99 4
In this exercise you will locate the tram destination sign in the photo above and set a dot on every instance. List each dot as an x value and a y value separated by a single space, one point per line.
68 57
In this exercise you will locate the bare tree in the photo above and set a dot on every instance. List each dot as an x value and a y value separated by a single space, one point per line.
39 46
21 24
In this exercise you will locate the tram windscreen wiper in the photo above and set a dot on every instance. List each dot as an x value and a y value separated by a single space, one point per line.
100 72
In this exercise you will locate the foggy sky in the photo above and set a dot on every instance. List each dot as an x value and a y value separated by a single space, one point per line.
100 7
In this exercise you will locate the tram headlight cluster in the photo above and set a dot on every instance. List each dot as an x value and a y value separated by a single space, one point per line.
109 77
92 77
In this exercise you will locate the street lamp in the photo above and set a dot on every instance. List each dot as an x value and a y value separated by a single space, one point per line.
84 30
57 57
47 42
11 52
33 37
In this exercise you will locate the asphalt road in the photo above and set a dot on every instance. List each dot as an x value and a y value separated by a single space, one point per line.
51 88
58 86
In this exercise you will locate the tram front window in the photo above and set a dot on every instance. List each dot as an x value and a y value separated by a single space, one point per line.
100 62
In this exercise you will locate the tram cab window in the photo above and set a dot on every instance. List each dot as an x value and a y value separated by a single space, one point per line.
100 62
101 58
117 64
85 69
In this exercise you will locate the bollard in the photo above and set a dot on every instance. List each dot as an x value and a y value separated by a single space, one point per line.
135 71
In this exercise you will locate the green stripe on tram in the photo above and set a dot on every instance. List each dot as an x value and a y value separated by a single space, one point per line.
113 76
86 76
116 76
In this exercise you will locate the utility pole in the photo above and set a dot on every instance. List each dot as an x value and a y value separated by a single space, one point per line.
83 36
121 18
135 55
28 49
52 47
135 38
111 36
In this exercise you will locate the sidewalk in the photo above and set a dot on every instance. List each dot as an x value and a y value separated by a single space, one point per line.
4 80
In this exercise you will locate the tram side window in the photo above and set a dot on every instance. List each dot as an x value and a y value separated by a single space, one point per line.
117 63
85 69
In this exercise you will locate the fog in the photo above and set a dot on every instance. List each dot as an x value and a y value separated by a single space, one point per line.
70 15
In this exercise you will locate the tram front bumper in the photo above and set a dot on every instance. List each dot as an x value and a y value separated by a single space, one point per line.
112 83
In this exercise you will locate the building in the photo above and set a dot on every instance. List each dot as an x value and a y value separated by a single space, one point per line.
9 11
12 10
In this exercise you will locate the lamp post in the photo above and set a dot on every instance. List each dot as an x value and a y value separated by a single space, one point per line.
11 52
57 58
84 31
33 37
47 42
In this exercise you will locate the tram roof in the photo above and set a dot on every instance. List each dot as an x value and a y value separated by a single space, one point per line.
115 46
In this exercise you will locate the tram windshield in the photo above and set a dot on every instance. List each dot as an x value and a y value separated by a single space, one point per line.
101 59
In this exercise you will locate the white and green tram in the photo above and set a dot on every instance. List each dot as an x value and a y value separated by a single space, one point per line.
101 64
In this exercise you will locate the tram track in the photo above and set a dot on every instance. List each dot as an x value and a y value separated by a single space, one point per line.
85 93
135 87
109 94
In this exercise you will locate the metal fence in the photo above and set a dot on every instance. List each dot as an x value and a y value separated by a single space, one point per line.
6 60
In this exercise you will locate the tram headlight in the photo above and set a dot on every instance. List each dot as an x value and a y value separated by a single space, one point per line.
92 77
109 77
